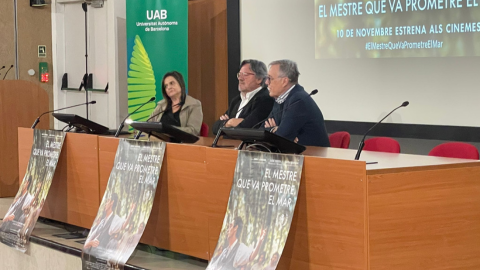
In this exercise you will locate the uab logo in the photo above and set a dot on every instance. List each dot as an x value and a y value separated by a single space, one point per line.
157 14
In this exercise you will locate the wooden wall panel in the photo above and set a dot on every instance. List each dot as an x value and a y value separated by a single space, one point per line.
20 103
220 38
7 34
183 209
208 56
107 148
220 168
25 141
35 28
329 230
425 220
78 179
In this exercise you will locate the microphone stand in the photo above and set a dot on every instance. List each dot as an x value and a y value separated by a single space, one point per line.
85 77
123 122
217 137
362 142
7 72
38 118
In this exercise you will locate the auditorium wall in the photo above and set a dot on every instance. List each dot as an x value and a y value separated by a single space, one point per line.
33 28
108 57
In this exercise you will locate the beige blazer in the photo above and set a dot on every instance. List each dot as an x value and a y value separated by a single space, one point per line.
191 115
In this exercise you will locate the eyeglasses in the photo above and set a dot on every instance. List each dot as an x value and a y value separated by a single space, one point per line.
243 74
270 79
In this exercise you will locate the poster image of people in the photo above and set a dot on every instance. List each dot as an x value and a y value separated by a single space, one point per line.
126 205
259 212
22 215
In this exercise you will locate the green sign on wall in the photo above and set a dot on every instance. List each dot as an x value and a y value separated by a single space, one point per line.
157 42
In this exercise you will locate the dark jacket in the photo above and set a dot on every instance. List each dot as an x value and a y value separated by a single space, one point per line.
299 117
255 111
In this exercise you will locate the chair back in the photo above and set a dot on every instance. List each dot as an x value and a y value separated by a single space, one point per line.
204 130
455 150
382 144
340 139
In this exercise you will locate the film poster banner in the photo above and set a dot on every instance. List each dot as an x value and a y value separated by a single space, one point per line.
157 43
259 212
22 215
126 205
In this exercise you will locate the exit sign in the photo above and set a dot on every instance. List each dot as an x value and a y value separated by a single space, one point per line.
42 51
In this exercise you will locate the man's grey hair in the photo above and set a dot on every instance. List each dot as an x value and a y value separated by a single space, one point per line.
288 68
258 67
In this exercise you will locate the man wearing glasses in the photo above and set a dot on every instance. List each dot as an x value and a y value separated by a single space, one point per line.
253 104
295 115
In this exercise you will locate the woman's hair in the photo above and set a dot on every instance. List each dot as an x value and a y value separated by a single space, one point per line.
179 78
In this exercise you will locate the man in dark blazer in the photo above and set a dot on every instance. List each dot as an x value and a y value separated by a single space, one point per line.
253 104
295 115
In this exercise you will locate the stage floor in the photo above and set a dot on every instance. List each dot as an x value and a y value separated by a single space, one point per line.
48 251
4 205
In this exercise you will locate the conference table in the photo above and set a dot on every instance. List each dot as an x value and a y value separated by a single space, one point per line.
403 212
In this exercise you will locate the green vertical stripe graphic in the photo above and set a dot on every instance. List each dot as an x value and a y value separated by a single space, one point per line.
141 83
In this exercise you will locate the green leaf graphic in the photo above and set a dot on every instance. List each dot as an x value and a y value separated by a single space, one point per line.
141 82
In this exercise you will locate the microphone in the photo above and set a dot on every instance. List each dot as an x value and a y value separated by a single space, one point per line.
215 141
155 115
362 142
2 67
7 71
38 118
123 122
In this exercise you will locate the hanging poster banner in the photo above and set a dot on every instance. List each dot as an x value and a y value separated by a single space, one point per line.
259 212
126 205
157 42
22 215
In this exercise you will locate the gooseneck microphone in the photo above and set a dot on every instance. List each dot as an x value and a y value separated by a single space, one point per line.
123 122
7 71
2 67
155 115
38 118
219 133
362 142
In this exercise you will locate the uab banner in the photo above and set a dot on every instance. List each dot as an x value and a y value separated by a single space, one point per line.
157 42
259 212
22 215
126 205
